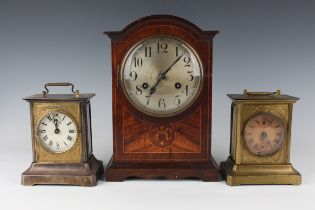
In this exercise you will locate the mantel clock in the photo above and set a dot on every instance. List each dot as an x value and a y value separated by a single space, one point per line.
260 140
62 139
162 97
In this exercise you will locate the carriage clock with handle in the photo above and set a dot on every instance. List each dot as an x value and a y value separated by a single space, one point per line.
162 100
62 139
260 140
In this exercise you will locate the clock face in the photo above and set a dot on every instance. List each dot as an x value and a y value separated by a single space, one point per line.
264 134
57 132
162 76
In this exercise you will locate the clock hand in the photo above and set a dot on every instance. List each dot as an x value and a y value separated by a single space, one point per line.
268 142
162 75
153 89
264 137
169 68
57 131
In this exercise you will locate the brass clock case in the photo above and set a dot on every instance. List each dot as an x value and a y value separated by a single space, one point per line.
75 166
260 140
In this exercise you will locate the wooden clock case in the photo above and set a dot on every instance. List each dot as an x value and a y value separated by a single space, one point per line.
137 137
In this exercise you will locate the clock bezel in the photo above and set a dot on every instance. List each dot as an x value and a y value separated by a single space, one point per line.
39 141
162 115
273 152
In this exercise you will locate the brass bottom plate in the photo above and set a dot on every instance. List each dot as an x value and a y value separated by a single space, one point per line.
259 174
84 174
117 172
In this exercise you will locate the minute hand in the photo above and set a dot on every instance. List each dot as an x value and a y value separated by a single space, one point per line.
169 68
162 75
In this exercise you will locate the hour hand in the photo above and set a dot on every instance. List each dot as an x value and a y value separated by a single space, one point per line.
57 131
153 88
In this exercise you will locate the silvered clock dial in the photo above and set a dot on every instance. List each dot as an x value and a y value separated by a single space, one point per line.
161 76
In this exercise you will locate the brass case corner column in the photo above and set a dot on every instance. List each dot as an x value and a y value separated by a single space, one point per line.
260 140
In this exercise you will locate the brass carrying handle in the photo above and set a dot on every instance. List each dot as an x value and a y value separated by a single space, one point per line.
277 93
59 84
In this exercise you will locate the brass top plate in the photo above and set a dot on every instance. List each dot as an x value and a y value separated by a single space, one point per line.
242 97
60 97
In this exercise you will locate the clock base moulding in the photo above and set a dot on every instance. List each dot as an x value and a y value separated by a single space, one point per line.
84 174
259 174
118 172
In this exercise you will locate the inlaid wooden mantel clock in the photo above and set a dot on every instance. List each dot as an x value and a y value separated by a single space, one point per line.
260 140
62 139
162 97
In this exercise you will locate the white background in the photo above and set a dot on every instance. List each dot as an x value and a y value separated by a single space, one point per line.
262 46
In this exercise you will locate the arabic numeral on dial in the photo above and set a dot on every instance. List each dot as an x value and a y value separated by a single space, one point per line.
191 75
148 100
176 53
162 47
185 90
177 100
133 75
147 51
162 103
137 62
138 90
187 61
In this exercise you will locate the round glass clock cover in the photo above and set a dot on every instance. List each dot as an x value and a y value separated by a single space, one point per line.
162 76
57 132
264 134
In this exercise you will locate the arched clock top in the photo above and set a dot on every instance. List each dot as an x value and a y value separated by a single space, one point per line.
160 21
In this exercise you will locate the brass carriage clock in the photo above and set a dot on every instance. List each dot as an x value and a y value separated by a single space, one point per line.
260 140
62 140
162 97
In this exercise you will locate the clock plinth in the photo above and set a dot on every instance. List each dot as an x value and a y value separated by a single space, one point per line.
204 171
259 174
83 174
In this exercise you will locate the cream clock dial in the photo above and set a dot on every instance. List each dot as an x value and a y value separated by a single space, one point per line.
162 76
57 132
264 134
